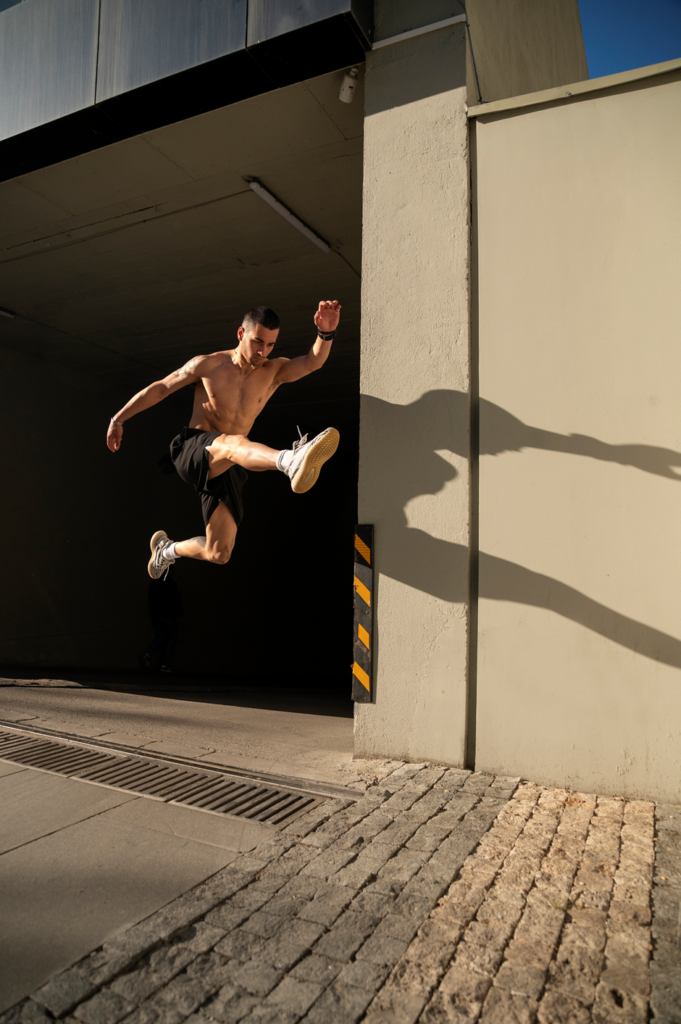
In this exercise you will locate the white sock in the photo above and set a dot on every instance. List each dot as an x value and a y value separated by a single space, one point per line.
284 459
169 551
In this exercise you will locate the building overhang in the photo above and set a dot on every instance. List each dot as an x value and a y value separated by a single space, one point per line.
77 75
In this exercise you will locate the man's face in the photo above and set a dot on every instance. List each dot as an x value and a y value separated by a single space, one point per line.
256 343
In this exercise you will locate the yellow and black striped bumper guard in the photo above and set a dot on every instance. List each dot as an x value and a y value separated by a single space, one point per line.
362 669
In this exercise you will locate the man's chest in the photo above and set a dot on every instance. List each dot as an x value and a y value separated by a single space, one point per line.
229 387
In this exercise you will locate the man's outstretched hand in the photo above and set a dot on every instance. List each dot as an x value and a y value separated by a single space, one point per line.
114 436
327 316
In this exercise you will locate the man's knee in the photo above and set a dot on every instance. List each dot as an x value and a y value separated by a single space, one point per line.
232 442
219 556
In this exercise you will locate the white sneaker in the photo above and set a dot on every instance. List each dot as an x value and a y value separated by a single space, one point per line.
309 457
157 563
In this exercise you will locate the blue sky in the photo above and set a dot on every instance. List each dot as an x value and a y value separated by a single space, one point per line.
623 34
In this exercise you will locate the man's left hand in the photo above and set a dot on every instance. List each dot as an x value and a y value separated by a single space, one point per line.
327 316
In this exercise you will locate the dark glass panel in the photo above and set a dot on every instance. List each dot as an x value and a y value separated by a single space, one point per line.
143 41
4 4
48 52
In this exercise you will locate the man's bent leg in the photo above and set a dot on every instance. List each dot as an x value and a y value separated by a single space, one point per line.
218 543
229 450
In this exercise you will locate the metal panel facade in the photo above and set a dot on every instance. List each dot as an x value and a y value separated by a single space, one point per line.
48 62
143 41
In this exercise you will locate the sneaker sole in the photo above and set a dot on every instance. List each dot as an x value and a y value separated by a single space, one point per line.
152 544
308 471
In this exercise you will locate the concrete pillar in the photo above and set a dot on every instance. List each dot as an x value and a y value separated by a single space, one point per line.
414 469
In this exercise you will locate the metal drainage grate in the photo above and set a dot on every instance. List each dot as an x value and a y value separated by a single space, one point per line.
216 792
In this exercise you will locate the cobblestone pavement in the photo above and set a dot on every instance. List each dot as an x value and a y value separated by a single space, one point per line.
438 896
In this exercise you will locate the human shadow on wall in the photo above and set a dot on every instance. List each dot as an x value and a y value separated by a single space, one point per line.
395 453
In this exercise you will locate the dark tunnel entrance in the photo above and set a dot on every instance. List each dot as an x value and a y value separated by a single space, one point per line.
120 265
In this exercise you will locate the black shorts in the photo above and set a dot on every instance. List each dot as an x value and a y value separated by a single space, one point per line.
190 458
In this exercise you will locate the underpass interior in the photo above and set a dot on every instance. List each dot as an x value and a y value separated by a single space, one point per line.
120 265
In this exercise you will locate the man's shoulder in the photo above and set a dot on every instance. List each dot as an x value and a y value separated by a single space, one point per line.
215 360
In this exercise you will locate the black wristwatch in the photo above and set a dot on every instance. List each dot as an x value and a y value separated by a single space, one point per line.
326 335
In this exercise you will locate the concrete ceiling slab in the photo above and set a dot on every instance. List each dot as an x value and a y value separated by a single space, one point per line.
110 175
150 250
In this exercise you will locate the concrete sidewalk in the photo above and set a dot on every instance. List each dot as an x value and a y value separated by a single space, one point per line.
267 731
437 896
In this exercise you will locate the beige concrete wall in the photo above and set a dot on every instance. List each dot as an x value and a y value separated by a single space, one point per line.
523 46
413 481
579 204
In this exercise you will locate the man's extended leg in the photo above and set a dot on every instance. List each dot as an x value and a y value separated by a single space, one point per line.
215 547
301 463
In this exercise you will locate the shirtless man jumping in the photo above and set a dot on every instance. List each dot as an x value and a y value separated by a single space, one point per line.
214 451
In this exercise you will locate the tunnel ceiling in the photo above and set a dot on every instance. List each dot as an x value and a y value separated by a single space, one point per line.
122 263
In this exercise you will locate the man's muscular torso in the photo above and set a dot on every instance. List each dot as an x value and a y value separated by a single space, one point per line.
228 400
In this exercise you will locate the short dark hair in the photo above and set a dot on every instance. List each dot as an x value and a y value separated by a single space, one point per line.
262 315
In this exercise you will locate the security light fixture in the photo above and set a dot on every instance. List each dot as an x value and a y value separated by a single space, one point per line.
347 89
284 212
7 312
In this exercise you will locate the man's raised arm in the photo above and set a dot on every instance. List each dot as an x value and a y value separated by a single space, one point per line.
326 321
155 393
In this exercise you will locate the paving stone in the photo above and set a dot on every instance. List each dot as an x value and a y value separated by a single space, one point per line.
230 1005
198 937
268 882
263 924
227 916
270 1015
396 835
367 829
284 905
329 862
394 926
301 887
240 945
27 1012
154 1012
339 1004
105 1008
481 959
256 977
521 978
294 996
399 869
248 900
459 998
319 969
503 1007
615 1004
377 904
346 936
206 963
428 837
138 985
382 950
363 869
105 964
293 860
434 944
64 992
363 974
557 1007
290 944
329 903
186 993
